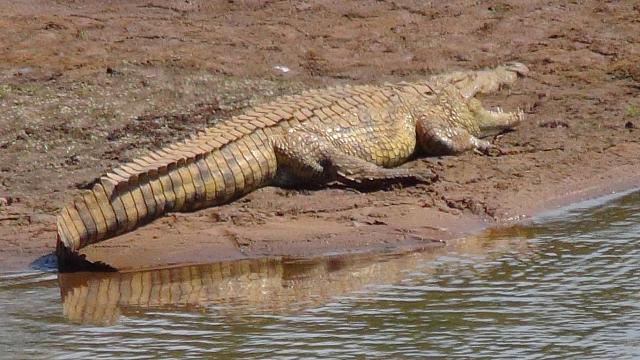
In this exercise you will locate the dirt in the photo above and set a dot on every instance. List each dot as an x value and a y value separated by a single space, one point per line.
86 85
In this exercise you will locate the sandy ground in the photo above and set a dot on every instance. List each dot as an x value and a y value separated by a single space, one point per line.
86 85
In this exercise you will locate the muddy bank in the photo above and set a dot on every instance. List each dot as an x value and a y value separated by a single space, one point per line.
83 88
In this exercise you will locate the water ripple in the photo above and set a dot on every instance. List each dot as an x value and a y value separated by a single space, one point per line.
565 287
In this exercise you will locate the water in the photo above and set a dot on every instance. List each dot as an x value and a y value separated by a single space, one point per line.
567 286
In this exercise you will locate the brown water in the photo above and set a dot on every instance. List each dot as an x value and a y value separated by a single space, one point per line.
567 286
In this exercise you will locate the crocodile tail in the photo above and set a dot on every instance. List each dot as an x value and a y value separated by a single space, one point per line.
183 177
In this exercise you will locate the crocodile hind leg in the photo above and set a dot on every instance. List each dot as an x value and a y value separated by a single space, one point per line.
311 159
353 171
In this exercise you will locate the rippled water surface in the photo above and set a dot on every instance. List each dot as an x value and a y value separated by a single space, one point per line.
566 287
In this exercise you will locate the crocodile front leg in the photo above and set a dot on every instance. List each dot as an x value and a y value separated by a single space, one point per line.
450 124
307 157
492 122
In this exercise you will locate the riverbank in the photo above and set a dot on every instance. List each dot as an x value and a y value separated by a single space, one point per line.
86 88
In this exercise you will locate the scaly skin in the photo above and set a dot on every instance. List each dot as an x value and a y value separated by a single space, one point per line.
352 134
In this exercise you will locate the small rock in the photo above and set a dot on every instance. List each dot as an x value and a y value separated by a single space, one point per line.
111 71
375 222
73 160
54 26
554 124
629 125
282 68
4 202
502 186
378 215
23 71
22 135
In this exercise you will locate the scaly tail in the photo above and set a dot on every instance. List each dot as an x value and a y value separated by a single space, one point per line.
203 171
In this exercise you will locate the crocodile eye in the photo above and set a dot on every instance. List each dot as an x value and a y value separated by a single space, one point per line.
428 90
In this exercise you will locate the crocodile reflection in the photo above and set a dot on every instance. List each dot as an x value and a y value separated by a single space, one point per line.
261 284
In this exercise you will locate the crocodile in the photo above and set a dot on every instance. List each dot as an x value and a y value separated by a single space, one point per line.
355 135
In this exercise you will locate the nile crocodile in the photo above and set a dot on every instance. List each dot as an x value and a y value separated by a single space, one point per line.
352 134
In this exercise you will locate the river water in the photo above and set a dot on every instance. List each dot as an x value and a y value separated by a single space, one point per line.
566 286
